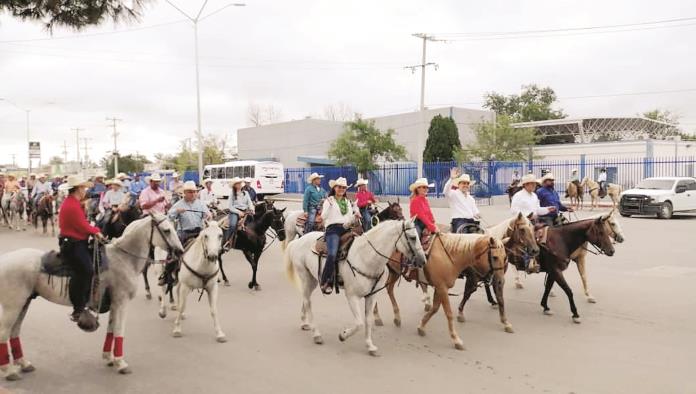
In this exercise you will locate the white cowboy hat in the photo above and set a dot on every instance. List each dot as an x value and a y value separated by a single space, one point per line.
236 180
341 181
121 175
155 178
175 174
206 180
547 177
314 176
574 170
115 182
528 178
190 185
43 175
33 174
248 180
361 182
75 181
419 183
464 178
11 176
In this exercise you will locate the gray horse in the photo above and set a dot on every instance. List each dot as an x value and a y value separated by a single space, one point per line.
21 278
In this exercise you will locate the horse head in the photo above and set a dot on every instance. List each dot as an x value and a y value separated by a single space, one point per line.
521 232
211 241
163 233
408 242
598 235
613 226
278 223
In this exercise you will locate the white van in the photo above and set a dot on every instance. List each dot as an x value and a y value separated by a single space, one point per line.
267 177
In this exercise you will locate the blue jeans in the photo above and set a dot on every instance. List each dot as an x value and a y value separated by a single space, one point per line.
311 217
234 220
333 238
366 218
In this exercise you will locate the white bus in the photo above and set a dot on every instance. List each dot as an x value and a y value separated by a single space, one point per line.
268 177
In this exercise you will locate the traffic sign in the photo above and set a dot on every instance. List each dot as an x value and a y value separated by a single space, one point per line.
34 150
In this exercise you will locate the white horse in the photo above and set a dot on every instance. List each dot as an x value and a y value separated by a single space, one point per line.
199 270
613 191
363 272
292 230
13 206
21 278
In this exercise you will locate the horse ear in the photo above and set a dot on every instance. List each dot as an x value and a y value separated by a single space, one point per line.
506 240
530 216
491 241
283 210
398 200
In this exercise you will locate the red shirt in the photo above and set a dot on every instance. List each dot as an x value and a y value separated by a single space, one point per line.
73 221
364 198
420 208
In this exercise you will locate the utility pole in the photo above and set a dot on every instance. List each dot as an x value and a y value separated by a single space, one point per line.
65 151
77 141
115 134
86 148
420 146
14 162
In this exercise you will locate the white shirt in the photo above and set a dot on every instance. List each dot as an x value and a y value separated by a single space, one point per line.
331 212
41 187
602 177
206 196
463 206
112 197
526 202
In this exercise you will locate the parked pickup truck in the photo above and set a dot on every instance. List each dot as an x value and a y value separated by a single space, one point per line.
659 196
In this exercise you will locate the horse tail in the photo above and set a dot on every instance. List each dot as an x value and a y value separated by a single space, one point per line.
290 267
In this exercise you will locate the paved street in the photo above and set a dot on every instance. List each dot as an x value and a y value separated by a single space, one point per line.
638 338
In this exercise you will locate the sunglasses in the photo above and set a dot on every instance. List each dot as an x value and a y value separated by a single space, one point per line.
341 187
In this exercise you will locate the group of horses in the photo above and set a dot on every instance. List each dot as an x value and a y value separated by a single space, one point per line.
15 207
575 192
375 261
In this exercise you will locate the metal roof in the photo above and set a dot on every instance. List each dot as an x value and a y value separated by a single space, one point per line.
590 129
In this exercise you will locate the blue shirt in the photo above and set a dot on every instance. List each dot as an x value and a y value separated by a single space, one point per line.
137 186
312 196
96 190
549 198
193 217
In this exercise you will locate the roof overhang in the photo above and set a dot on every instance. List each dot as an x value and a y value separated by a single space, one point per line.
589 129
322 160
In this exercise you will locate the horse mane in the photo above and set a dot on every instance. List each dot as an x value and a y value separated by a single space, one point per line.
460 243
499 230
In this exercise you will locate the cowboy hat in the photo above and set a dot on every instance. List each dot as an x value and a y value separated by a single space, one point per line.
155 178
574 170
190 185
528 178
115 182
33 174
76 181
547 177
341 181
236 180
248 180
121 175
206 180
43 175
420 182
11 176
464 178
175 174
361 182
314 176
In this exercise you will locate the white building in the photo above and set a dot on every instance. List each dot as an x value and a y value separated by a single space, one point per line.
305 142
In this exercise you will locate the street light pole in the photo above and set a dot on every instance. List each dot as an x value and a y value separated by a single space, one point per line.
195 20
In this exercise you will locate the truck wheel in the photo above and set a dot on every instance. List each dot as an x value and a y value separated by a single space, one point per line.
665 211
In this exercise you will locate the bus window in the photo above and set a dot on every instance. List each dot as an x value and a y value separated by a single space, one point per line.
206 173
229 172
252 171
247 171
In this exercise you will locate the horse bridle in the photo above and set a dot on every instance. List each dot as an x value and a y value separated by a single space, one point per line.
153 224
599 250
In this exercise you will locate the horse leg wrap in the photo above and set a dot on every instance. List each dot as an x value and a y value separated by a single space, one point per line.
118 347
4 355
108 342
16 346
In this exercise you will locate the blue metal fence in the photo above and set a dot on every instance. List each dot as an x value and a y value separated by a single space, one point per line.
493 177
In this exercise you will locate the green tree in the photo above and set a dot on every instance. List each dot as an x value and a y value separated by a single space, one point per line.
499 141
76 14
533 104
362 145
187 157
443 140
127 163
662 116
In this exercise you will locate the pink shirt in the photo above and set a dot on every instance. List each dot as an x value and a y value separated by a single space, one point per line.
148 195
364 198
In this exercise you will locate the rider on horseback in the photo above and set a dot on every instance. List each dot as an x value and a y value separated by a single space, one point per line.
176 186
548 197
112 199
206 195
526 200
363 199
602 180
461 203
420 207
240 204
337 213
41 188
74 232
249 189
310 202
95 192
575 180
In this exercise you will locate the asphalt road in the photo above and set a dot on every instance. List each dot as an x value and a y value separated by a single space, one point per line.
638 338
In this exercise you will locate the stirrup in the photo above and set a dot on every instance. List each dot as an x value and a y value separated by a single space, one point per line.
327 288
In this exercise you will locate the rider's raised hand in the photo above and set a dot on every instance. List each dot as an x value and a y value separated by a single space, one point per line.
454 172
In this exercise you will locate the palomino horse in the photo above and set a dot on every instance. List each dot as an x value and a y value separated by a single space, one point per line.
452 254
575 194
13 206
44 211
199 270
613 191
21 279
362 272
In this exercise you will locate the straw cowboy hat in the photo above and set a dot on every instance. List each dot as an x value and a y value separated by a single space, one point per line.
236 180
547 177
314 176
528 178
33 174
464 178
361 182
155 178
206 180
13 176
420 182
121 176
339 182
76 181
190 185
43 175
114 182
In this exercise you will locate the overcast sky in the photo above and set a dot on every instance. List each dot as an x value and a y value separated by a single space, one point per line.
302 55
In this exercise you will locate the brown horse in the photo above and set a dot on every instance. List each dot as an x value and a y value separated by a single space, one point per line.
575 192
44 210
452 254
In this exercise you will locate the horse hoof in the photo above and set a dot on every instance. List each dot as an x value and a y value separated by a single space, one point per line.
421 332
305 327
459 346
379 322
576 320
427 307
221 339
110 363
397 322
148 296
177 334
509 329
12 377
548 312
227 283
162 314
591 300
494 306
250 285
319 340
174 307
461 319
519 285
373 353
125 371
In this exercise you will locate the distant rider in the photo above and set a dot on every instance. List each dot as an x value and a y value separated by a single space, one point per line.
462 205
310 202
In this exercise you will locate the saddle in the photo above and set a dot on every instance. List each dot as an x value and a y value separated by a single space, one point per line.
344 245
318 221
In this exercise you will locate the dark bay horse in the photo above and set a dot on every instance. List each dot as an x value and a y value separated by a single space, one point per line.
393 211
44 210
